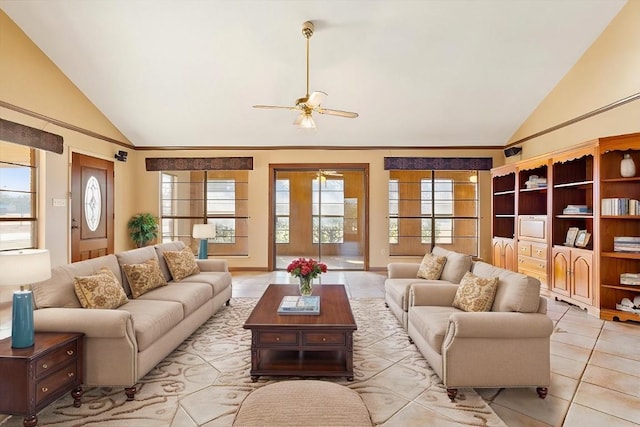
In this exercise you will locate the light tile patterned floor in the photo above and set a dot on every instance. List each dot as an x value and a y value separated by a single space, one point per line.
595 364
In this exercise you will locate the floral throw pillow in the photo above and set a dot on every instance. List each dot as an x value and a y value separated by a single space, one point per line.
181 263
144 277
475 293
100 290
431 267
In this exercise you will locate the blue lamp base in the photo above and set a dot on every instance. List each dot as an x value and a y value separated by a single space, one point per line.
22 320
202 253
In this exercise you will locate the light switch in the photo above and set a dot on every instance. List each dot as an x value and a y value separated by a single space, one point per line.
59 203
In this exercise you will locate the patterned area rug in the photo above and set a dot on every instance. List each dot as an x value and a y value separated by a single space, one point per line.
204 381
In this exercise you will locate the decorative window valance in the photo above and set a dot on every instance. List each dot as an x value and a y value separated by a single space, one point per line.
198 163
31 137
438 163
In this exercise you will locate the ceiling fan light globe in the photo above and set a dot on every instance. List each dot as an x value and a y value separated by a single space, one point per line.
307 122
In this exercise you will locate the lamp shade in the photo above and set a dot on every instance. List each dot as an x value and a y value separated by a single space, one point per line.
204 231
24 267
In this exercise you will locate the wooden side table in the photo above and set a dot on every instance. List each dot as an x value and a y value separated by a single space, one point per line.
32 378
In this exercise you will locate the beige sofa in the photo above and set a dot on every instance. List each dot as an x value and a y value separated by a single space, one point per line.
121 345
508 346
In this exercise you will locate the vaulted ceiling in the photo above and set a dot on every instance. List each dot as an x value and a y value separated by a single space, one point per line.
419 73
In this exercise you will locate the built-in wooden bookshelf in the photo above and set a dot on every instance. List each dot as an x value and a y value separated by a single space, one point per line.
504 196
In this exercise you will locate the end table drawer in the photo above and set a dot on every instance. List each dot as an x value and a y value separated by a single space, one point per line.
50 362
60 380
320 338
283 338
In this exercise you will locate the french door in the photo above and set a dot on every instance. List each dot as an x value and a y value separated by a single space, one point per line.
319 211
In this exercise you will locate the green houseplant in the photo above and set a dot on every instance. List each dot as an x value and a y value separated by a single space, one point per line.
143 228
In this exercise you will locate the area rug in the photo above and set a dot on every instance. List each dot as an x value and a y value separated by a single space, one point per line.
204 381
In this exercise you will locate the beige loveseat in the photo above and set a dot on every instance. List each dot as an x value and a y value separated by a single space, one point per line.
506 346
121 345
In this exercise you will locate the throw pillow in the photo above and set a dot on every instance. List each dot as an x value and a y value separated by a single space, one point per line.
431 267
100 290
143 277
475 293
181 263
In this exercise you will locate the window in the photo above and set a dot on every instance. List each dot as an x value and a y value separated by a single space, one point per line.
428 208
213 197
17 197
328 210
283 209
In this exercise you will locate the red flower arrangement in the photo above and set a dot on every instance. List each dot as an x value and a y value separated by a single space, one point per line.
307 268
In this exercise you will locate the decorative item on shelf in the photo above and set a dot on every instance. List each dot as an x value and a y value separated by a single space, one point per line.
20 268
627 166
306 270
536 182
631 306
582 239
204 232
572 233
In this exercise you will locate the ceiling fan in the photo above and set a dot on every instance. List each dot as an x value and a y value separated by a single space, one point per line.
310 102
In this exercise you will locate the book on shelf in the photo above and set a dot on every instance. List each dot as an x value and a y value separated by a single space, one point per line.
620 206
632 279
626 244
300 305
577 210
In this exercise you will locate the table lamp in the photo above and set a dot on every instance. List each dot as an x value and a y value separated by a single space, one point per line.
203 232
20 268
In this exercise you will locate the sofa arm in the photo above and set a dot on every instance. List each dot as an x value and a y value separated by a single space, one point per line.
213 265
505 325
94 323
402 270
437 294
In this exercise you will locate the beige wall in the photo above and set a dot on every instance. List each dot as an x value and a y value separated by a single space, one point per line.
608 71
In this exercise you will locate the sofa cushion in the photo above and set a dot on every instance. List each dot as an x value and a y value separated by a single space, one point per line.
475 293
177 245
431 267
152 319
431 322
516 292
100 290
135 256
143 277
192 296
58 291
218 280
457 264
181 263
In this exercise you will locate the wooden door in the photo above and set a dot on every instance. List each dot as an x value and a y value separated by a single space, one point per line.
510 256
561 271
91 207
581 283
498 258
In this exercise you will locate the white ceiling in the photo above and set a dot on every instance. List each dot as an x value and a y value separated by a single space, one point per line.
419 73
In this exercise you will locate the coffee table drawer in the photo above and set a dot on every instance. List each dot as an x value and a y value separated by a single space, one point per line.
277 338
323 338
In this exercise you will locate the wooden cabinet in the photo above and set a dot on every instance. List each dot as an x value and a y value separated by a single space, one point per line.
572 278
504 253
616 220
34 377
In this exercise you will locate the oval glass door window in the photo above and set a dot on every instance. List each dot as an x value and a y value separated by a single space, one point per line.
92 203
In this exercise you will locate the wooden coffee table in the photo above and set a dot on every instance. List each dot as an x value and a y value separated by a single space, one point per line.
302 345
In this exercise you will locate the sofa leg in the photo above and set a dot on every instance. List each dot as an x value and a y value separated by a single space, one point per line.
386 305
228 303
130 392
542 392
452 393
410 340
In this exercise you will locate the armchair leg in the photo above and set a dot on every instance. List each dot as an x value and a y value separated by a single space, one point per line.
542 392
228 303
130 392
452 393
386 305
410 340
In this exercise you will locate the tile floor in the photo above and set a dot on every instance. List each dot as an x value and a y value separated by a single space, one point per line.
595 364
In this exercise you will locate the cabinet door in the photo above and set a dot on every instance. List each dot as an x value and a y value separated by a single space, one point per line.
510 255
581 277
561 267
496 248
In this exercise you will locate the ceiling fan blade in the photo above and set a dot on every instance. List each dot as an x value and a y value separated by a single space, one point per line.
339 113
315 99
274 107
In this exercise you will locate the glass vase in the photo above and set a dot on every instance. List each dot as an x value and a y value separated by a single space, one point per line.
306 286
627 167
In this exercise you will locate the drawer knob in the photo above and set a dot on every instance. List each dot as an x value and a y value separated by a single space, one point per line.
277 338
45 389
521 261
70 352
324 339
541 265
45 366
71 374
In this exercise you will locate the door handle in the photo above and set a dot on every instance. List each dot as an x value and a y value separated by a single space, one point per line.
74 224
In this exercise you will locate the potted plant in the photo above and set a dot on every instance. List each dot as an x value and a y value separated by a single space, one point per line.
143 228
